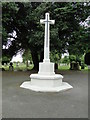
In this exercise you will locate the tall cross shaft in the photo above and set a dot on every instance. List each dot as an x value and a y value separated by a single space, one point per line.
47 23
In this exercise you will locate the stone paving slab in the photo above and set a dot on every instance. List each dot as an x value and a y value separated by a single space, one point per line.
23 103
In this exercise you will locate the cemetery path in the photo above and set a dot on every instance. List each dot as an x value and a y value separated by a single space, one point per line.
23 103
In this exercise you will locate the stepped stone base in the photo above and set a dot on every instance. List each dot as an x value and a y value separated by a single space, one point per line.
46 80
42 84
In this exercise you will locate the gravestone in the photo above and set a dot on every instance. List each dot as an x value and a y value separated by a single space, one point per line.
74 66
11 66
5 62
46 80
87 58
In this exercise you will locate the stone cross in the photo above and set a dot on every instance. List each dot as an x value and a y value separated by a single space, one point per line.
47 23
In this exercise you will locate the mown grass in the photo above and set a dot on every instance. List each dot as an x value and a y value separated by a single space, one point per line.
23 67
64 67
19 67
67 67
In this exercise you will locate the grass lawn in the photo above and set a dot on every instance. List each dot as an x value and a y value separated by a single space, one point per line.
67 67
64 67
22 66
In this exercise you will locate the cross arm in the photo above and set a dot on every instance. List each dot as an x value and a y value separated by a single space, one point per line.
42 21
52 21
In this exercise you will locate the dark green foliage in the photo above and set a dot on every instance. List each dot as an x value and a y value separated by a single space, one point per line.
5 58
66 34
55 56
65 60
72 58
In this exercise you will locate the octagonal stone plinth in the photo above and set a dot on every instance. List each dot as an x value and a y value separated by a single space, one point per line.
42 83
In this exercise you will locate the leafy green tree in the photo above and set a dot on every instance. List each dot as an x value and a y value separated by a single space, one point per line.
5 58
72 58
27 56
55 56
66 34
65 60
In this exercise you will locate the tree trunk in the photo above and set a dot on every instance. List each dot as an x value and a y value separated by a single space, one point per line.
26 55
35 59
26 63
42 56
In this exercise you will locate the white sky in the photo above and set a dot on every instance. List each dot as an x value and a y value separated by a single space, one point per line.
65 54
17 58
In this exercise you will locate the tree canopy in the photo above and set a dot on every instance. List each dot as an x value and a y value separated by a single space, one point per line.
24 19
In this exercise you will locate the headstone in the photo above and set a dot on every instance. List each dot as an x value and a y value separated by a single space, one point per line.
11 66
5 62
46 80
87 58
74 66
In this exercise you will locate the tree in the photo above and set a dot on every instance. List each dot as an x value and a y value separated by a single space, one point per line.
72 58
66 60
55 56
27 56
66 34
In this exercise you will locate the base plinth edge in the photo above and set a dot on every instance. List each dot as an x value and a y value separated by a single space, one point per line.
63 87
